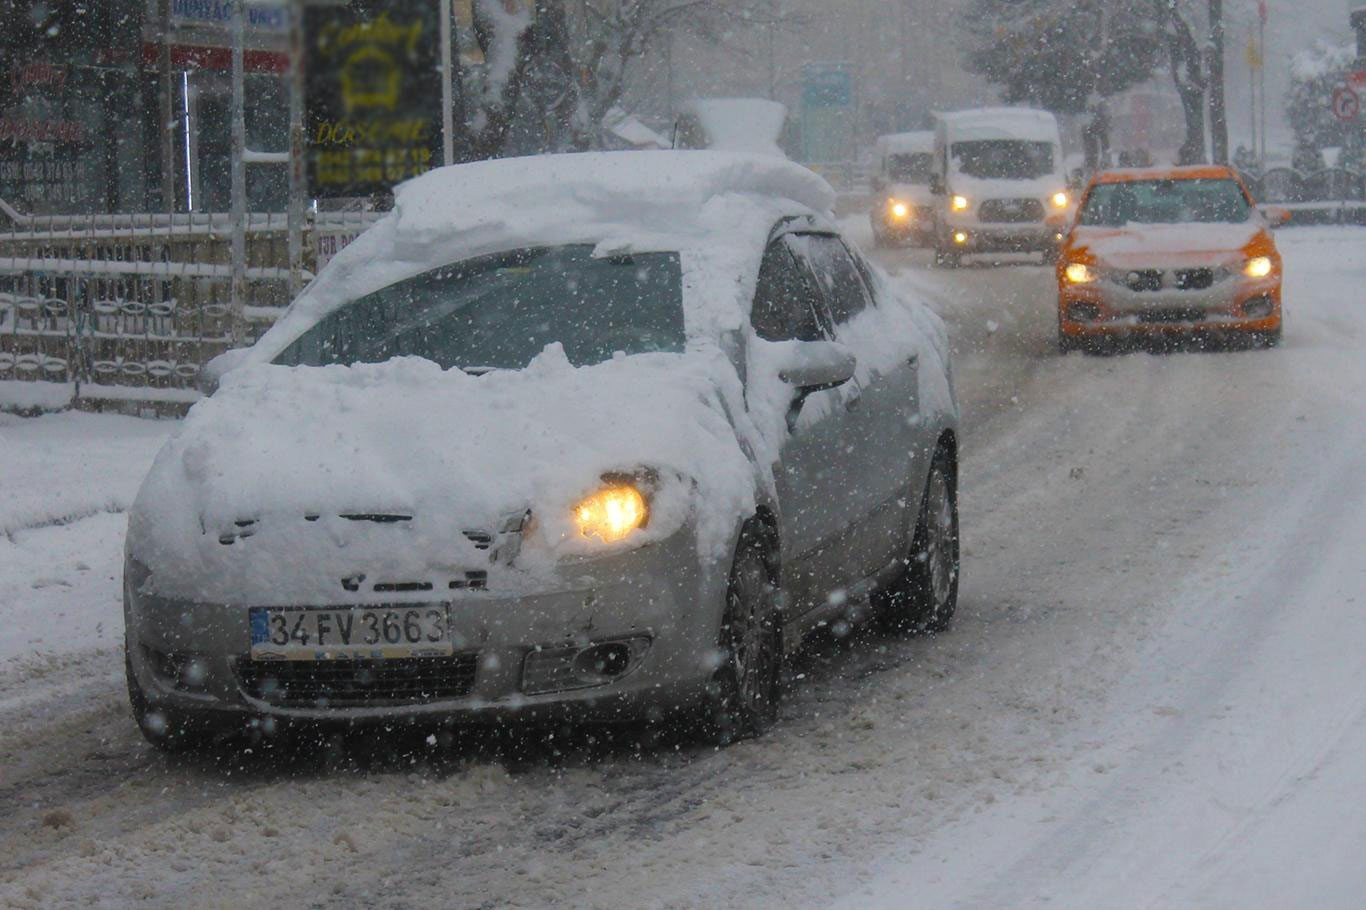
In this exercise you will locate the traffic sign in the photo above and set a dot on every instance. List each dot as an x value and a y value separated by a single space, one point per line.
827 85
1346 103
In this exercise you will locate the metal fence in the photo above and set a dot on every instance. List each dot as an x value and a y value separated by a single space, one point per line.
120 311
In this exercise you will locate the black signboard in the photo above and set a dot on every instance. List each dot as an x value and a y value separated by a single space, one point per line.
373 95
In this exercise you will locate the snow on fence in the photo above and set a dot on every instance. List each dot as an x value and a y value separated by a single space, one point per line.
120 311
1330 195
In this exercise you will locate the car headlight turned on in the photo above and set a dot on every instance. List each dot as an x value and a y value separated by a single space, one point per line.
899 209
1258 267
1079 273
959 203
1061 200
612 513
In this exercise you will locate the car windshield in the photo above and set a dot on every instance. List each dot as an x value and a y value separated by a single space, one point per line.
910 168
1003 159
1204 201
499 312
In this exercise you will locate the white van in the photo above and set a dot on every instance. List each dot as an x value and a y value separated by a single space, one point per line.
999 183
902 207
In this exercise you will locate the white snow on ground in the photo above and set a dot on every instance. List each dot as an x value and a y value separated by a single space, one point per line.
65 481
1225 769
1154 694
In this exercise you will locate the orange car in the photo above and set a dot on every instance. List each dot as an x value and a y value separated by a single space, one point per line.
1168 252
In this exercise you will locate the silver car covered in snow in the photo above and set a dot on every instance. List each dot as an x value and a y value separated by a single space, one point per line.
592 436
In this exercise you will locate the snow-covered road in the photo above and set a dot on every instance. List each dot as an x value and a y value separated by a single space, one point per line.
1153 696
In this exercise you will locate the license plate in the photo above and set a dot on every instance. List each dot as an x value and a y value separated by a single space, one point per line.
340 633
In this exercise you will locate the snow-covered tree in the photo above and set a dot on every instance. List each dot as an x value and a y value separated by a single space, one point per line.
1060 54
568 62
1181 22
1314 74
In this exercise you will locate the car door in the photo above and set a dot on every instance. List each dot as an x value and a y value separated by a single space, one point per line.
879 422
787 307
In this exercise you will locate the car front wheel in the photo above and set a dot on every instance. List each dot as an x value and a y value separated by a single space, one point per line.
746 687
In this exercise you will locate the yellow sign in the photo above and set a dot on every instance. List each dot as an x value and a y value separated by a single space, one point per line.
1254 54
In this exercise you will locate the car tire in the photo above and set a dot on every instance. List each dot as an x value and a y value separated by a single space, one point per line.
168 730
924 597
1270 339
1067 344
742 700
947 259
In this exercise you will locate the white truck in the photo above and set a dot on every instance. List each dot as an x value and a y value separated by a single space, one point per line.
902 207
999 183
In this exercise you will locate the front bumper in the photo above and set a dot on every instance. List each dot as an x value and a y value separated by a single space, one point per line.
1001 238
659 600
1107 310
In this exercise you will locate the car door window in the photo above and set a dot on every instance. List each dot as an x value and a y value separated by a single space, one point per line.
785 302
835 273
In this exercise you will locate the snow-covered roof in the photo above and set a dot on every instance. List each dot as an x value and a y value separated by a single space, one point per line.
751 125
1001 123
905 143
711 207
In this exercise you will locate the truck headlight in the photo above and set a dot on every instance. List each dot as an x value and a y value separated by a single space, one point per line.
959 203
1061 200
899 209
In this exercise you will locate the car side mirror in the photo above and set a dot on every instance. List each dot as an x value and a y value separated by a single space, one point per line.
936 185
1276 215
877 185
814 366
1077 182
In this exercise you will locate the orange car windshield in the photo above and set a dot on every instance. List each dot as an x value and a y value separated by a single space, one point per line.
1202 201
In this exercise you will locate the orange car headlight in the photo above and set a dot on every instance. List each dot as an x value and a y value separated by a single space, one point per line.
1079 273
1258 267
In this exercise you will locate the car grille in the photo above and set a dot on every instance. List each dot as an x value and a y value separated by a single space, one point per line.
1010 211
1178 315
357 683
1144 280
1194 279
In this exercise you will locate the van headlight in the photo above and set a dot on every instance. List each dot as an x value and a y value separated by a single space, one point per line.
1258 267
1061 200
612 513
959 203
899 209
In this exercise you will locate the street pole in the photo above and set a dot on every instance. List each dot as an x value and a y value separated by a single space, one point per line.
1261 85
294 225
167 110
1218 110
443 13
237 168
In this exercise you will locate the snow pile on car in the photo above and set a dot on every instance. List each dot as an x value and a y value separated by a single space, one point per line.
279 463
703 204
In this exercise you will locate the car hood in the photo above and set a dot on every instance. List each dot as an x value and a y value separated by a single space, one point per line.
391 467
1166 245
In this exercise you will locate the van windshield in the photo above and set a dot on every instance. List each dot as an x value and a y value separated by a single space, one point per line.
1003 159
911 167
499 312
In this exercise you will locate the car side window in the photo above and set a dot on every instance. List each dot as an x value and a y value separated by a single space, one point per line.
835 273
785 303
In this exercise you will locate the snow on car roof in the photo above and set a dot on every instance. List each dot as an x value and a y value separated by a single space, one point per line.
1188 172
1002 123
702 204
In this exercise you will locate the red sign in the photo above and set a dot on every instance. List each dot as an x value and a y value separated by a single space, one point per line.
1261 10
1346 103
1357 80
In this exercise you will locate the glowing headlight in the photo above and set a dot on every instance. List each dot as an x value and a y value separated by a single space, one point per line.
612 513
1258 267
960 237
1079 273
899 209
959 203
1061 200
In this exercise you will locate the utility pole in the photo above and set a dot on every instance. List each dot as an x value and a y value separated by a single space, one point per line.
238 183
294 217
1218 113
166 109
